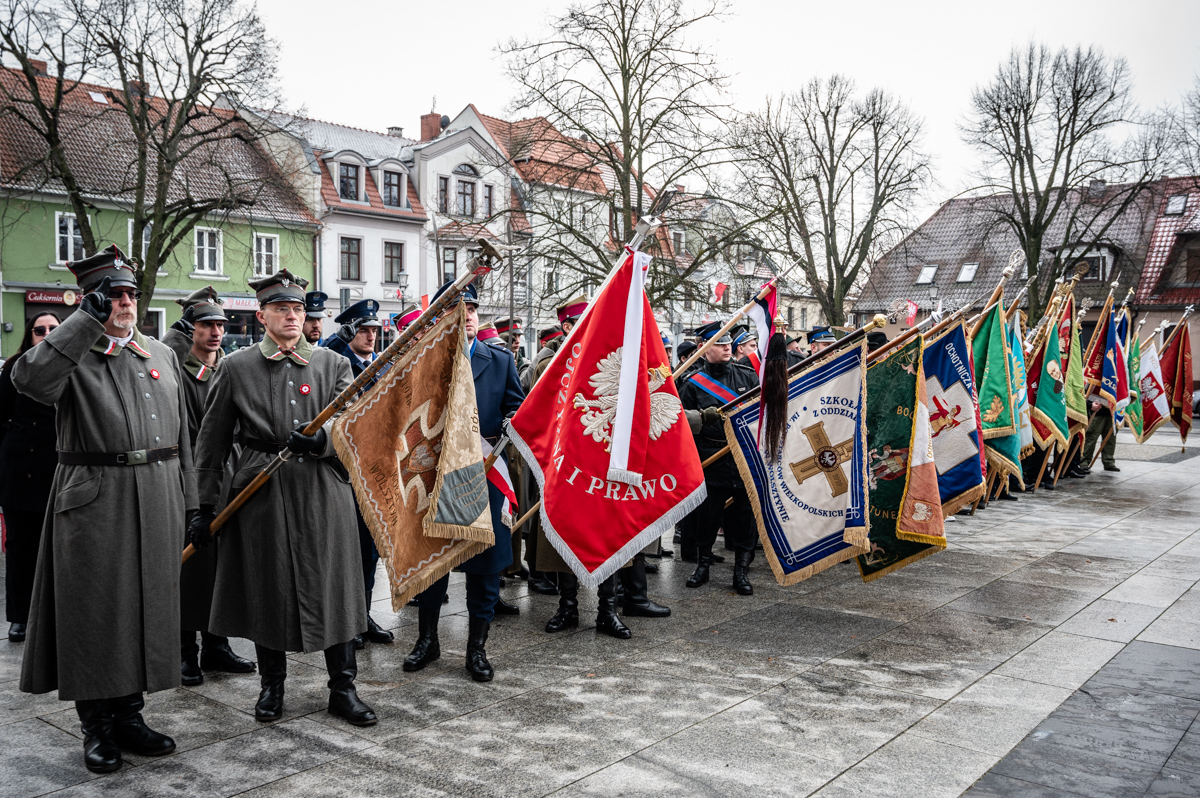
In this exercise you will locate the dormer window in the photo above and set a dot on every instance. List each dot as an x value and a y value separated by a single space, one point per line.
967 273
926 275
391 189
348 181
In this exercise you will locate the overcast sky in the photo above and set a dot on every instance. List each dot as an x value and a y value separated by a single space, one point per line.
376 63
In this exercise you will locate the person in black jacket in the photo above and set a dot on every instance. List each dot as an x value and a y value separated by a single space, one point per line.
714 383
27 462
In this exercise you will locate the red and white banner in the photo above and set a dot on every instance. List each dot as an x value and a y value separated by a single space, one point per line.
498 475
718 292
605 436
1156 408
913 308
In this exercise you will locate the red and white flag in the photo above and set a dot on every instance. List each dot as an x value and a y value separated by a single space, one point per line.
718 292
604 434
498 475
1156 408
762 313
912 312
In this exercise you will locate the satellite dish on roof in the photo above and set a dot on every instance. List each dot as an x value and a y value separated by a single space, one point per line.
445 121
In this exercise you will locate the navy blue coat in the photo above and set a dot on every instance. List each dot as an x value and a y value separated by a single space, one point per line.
497 394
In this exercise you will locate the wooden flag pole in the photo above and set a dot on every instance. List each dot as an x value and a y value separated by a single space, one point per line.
1100 449
487 259
1037 483
1014 260
729 325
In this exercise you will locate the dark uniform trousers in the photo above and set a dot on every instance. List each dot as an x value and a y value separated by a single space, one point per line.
737 520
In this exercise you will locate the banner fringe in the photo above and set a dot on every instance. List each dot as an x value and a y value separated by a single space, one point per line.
956 503
896 566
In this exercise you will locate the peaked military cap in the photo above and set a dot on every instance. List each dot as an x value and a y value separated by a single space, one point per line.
821 335
685 350
741 334
205 304
876 339
402 320
487 332
508 326
470 294
572 309
282 286
108 262
707 331
549 334
314 304
367 310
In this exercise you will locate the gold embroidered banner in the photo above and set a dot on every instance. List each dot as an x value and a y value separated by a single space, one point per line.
411 444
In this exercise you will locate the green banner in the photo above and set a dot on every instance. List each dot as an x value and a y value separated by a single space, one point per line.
1076 396
1051 407
891 413
1133 413
993 379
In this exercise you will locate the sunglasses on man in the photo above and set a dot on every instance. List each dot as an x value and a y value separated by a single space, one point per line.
115 293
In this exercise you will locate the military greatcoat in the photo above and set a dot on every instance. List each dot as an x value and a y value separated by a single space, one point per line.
199 573
105 615
290 574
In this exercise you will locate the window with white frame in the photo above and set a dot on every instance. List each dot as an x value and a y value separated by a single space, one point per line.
489 203
393 261
68 239
449 264
391 189
266 255
144 249
351 258
466 197
208 251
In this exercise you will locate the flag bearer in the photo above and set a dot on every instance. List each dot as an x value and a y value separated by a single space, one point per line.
290 575
717 381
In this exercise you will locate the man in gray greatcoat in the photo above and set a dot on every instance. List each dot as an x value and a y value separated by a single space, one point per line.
196 341
289 576
105 611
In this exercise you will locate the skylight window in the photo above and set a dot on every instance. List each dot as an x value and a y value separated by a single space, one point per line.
1176 205
967 273
926 275
97 97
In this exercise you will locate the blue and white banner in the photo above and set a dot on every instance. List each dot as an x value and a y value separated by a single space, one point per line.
810 504
953 418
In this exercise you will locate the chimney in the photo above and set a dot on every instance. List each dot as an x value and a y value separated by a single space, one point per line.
398 132
431 125
1095 191
135 88
679 187
39 67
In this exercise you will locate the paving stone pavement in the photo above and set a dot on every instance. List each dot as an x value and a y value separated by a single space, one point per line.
1053 649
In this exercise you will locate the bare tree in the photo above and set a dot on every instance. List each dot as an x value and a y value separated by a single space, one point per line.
176 69
627 108
832 173
1053 131
1184 128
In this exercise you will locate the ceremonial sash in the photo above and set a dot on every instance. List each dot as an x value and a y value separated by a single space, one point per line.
713 387
755 362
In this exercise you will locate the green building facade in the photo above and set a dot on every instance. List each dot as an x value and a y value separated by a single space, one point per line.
38 236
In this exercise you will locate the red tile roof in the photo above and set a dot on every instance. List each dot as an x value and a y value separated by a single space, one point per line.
100 149
374 205
1163 258
465 231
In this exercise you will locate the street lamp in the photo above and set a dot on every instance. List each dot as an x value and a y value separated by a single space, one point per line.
402 282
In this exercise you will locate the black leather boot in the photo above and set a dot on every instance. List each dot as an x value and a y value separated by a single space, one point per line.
100 752
131 732
504 608
607 620
741 572
272 669
700 575
637 602
343 697
427 648
376 633
477 661
567 616
539 583
189 666
218 656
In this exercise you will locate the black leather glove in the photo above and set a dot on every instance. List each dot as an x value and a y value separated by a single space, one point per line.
184 325
299 443
711 415
97 304
348 330
198 523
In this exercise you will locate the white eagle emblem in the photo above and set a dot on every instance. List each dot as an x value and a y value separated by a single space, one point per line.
599 413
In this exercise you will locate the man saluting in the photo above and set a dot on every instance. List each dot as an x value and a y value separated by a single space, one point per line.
105 614
289 576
